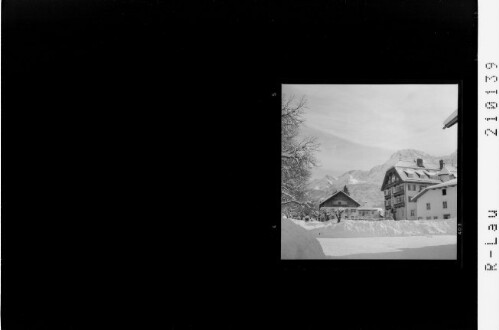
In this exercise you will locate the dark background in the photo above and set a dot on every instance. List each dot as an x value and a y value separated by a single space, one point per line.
140 162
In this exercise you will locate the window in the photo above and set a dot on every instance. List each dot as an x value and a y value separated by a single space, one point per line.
444 192
435 217
445 205
409 173
428 218
446 216
421 174
413 213
428 206
420 218
414 187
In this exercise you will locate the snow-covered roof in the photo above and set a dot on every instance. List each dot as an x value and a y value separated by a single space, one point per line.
413 164
334 194
408 171
417 175
442 185
369 209
451 120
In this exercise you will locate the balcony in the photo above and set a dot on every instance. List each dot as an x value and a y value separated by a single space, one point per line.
399 191
388 196
399 204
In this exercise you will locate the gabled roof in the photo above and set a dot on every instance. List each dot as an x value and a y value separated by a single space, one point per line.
414 174
408 171
322 201
451 120
413 164
406 163
450 183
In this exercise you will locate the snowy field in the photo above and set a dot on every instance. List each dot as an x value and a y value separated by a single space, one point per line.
387 239
384 228
408 247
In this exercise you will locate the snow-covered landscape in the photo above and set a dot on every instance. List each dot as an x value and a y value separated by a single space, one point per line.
354 239
384 228
368 172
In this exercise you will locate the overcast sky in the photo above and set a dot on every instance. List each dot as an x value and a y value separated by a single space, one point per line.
360 126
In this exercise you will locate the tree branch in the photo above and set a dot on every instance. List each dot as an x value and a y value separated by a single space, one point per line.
293 201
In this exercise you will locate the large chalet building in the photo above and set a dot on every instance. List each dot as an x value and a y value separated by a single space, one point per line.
406 179
339 199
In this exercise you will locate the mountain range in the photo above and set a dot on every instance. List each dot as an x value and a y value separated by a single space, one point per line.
364 186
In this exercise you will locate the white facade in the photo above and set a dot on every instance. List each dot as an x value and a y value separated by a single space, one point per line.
437 203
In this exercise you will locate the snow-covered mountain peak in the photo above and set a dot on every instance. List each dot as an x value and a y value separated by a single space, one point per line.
409 154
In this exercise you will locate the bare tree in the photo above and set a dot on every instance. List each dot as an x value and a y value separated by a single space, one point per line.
297 154
338 212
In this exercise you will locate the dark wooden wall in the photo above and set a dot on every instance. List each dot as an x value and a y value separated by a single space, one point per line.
334 201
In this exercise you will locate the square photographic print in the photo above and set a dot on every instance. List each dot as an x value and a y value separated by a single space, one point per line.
369 171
